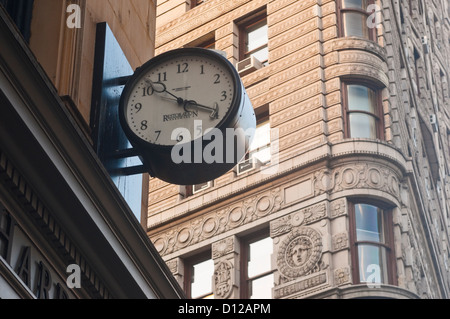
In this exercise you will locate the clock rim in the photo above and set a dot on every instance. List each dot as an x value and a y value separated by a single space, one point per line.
227 121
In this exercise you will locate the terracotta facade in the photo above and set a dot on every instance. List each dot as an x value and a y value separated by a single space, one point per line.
316 169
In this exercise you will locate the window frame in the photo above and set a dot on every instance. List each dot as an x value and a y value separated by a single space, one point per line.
245 280
372 32
388 244
378 114
189 264
243 26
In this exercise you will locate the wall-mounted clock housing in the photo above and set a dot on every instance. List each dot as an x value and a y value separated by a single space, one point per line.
187 114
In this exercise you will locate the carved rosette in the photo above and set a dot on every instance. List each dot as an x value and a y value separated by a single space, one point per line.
222 280
299 253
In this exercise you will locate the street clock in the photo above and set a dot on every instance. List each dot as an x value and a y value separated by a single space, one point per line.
187 115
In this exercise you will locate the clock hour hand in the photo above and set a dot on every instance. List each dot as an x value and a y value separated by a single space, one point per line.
214 110
162 89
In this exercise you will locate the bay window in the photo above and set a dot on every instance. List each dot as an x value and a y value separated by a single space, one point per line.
362 108
371 240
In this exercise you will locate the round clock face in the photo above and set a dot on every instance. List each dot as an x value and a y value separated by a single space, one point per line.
179 98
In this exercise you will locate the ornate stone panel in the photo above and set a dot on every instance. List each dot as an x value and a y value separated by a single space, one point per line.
223 283
299 253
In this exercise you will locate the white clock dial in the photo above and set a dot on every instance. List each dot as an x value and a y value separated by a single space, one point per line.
179 99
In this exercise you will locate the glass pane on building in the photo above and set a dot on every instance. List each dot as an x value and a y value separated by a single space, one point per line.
261 288
257 35
354 4
362 126
372 264
201 283
369 221
361 98
260 257
355 24
260 146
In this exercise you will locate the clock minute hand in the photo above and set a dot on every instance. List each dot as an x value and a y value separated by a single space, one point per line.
179 100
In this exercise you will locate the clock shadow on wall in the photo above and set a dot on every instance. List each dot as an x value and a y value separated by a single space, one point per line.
111 70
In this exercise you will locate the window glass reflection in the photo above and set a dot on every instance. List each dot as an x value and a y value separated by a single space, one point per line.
355 24
201 282
361 98
260 256
369 221
372 264
362 126
261 288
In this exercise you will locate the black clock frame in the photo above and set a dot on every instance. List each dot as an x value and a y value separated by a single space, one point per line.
157 158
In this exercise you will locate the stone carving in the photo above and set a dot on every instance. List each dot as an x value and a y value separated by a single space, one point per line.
219 221
340 241
299 252
222 279
354 176
304 216
341 276
337 208
222 247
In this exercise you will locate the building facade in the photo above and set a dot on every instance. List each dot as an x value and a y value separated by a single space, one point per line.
345 191
67 228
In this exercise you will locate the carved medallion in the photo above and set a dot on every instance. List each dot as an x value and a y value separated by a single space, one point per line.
300 252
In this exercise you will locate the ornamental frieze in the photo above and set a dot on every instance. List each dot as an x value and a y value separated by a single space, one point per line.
219 221
357 176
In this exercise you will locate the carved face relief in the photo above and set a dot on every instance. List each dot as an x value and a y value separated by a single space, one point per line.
299 252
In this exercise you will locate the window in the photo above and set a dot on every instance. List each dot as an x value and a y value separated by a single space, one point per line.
253 38
6 228
199 273
257 274
362 108
371 239
353 17
260 146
